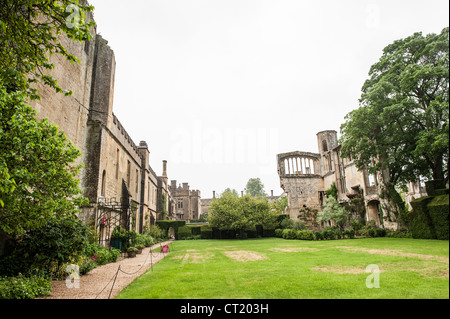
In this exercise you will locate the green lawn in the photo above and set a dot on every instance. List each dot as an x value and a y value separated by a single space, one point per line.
275 268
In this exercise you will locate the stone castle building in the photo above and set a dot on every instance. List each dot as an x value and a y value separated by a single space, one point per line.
187 202
122 187
305 177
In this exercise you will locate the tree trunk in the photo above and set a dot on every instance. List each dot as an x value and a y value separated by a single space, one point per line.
438 172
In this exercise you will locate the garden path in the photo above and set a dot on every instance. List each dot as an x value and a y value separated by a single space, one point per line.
98 282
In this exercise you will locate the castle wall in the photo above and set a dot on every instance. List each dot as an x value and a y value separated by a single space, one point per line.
69 113
188 202
114 166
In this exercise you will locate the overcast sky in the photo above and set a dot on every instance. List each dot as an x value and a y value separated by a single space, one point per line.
218 88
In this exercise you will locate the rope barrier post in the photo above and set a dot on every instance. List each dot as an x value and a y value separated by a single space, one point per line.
113 282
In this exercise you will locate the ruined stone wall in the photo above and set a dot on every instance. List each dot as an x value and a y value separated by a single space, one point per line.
301 181
306 184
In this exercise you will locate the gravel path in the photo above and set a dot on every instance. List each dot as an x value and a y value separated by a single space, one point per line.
98 282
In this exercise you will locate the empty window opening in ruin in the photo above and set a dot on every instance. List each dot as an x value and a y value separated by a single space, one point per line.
298 165
324 146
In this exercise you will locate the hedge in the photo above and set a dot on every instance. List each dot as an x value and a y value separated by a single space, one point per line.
429 217
175 224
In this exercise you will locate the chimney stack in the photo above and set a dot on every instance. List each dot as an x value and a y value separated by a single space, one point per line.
214 194
164 174
271 193
242 193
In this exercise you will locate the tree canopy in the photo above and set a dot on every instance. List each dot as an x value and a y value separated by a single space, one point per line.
255 187
37 162
37 172
403 119
230 212
29 31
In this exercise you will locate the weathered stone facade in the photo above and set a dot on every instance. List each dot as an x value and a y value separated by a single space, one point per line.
188 204
305 178
116 174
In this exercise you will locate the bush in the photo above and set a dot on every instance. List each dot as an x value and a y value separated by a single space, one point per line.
401 233
349 233
287 223
21 287
299 225
328 233
380 232
305 235
45 250
269 233
87 265
279 233
156 233
184 232
128 238
289 234
101 254
356 226
318 235
371 232
206 232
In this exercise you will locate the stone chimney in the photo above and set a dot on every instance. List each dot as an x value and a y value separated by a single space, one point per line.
214 194
164 174
242 193
271 193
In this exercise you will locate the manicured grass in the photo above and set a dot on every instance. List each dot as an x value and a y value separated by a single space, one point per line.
274 268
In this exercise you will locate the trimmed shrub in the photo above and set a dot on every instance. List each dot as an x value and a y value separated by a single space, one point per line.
195 230
206 232
280 219
305 235
184 232
338 233
329 234
371 232
438 209
318 235
279 233
349 233
289 234
269 233
380 232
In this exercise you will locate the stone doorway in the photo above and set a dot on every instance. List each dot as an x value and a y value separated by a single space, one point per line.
373 212
171 232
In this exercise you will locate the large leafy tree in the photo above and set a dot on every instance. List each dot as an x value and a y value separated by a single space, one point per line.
255 187
402 124
37 171
231 212
37 175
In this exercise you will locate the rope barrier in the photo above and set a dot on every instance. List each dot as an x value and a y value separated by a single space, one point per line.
117 273
150 253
